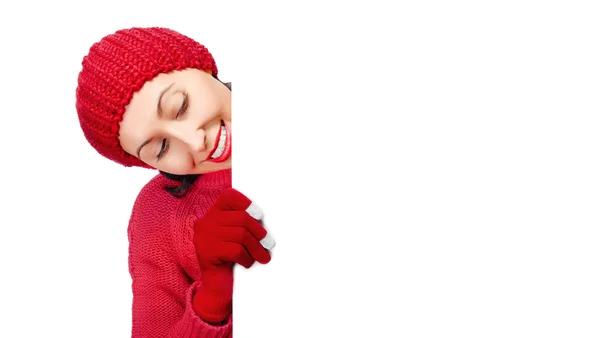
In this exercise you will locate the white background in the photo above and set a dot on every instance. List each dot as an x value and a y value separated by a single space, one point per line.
428 170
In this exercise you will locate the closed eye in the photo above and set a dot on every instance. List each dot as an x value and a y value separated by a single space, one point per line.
163 149
184 106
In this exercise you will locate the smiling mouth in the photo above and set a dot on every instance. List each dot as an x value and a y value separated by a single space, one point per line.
222 149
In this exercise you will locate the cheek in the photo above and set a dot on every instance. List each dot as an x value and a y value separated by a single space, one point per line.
178 162
207 102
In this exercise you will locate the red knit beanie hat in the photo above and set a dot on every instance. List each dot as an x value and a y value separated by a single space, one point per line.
118 66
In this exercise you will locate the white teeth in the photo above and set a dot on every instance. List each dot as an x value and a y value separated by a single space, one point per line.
221 146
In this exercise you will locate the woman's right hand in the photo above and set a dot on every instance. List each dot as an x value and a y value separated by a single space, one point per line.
227 234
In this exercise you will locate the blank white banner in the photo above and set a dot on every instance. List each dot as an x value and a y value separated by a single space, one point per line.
427 171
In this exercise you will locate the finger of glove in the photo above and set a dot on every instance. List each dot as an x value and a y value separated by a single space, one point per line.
231 199
238 218
235 252
242 236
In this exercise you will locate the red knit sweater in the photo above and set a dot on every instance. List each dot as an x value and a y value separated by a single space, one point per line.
162 260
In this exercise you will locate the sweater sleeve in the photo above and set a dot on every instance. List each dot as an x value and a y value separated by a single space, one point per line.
162 290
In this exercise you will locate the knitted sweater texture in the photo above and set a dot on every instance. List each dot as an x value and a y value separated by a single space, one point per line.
162 259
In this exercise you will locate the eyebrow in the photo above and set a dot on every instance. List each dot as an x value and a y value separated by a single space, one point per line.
158 113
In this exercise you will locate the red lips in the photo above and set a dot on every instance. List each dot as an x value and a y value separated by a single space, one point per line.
227 151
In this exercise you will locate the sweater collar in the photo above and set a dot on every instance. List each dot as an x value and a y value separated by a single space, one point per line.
216 179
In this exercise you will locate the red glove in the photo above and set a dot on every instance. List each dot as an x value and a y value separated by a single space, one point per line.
226 234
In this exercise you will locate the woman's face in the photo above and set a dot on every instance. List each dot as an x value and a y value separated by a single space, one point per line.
180 123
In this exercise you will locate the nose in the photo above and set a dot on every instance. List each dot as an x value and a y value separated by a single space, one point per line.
193 138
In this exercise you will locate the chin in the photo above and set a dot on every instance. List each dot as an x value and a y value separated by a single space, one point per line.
209 167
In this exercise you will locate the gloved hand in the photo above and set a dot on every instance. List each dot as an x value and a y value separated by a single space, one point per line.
227 234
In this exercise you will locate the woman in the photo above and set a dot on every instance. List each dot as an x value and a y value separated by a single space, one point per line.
150 97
